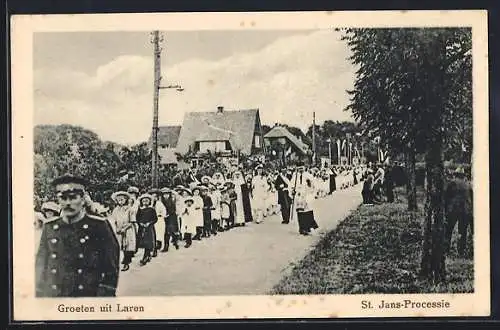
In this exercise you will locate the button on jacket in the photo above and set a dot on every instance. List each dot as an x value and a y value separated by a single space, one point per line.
79 259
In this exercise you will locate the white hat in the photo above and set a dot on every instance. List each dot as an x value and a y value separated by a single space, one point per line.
205 179
133 190
51 206
143 196
119 193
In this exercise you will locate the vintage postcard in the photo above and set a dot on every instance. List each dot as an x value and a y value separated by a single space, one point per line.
250 165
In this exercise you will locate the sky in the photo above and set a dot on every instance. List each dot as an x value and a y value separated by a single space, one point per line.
103 81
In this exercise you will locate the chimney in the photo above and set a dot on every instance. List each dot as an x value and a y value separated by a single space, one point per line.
220 109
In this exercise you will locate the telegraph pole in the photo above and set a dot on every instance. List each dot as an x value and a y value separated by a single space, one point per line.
314 138
156 40
156 91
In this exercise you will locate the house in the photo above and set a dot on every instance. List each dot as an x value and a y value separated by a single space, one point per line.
225 133
285 145
167 143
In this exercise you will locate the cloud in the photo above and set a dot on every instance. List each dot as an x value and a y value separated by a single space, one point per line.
287 81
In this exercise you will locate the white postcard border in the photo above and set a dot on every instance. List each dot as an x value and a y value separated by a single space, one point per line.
26 307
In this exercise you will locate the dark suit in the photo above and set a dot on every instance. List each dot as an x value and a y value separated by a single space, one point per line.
80 259
458 209
284 199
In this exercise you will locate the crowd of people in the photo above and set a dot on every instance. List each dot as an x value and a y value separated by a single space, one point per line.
196 206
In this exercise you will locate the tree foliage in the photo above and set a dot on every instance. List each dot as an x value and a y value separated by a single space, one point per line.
66 149
413 89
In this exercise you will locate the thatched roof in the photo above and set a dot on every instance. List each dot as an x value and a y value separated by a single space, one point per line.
168 136
282 132
235 126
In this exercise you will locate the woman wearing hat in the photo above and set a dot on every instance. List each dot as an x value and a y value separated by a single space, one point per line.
146 218
125 227
198 212
189 218
161 213
50 210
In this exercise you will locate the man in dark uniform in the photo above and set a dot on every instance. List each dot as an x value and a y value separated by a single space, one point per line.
458 209
78 255
282 186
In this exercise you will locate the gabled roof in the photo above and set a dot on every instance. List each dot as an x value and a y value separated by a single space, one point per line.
235 126
168 135
280 131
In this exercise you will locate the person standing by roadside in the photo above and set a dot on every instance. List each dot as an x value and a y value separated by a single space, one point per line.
125 227
78 255
282 185
171 220
146 218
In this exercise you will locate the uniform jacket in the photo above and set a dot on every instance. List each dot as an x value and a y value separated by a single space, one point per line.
80 259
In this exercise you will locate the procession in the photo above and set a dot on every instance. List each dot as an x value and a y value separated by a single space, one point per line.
146 223
214 199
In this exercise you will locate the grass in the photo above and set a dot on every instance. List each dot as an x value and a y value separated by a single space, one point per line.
376 249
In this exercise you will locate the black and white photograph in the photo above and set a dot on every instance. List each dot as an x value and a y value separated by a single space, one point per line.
330 169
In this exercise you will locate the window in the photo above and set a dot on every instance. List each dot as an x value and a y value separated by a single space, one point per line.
213 146
257 141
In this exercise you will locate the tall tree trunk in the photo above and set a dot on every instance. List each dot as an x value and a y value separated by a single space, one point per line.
433 258
411 184
433 266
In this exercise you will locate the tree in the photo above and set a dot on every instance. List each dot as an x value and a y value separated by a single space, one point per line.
412 89
70 149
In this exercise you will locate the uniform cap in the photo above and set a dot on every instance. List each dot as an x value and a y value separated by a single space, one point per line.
68 179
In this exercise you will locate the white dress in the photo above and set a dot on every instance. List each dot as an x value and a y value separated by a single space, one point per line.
240 211
161 212
197 211
189 220
216 199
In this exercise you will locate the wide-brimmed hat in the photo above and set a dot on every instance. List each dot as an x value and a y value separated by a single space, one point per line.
133 190
205 179
154 191
459 171
198 187
184 189
143 196
259 166
166 190
119 193
51 206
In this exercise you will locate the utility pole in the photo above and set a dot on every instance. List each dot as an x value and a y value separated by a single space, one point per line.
348 148
156 40
314 138
156 91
